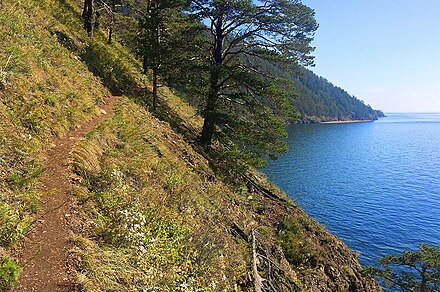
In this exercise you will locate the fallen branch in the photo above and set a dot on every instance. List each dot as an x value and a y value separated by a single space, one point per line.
235 228
262 189
258 281
7 62
270 261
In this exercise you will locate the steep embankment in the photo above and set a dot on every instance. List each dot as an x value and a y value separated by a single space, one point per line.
160 217
320 101
153 212
45 91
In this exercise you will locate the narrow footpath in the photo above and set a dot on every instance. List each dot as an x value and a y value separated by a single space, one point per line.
43 254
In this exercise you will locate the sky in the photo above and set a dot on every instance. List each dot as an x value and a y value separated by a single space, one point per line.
384 52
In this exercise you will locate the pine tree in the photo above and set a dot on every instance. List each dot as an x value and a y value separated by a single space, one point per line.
413 270
245 101
166 36
88 16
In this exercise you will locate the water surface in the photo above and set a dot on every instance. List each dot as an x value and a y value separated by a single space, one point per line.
375 185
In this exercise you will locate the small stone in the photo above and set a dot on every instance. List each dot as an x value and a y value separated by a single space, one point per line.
103 112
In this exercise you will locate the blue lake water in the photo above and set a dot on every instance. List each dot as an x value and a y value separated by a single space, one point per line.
375 185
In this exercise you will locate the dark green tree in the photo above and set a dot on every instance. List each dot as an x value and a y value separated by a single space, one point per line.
92 13
411 271
88 16
166 38
320 100
244 101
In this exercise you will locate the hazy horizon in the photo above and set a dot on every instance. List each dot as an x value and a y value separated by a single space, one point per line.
412 113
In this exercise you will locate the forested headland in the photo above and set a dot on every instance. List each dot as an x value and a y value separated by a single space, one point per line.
319 100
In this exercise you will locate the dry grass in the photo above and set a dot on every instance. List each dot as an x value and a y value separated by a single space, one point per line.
147 169
44 91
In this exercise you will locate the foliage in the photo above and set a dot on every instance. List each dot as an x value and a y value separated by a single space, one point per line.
12 227
319 100
9 273
251 103
105 61
412 270
166 38
40 98
143 188
243 101
297 248
147 208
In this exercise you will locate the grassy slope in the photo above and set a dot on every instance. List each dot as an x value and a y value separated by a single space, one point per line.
44 90
155 214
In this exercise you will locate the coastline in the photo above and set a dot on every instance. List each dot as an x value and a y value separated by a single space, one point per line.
336 120
348 121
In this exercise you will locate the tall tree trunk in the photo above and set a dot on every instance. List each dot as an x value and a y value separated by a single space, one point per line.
84 9
210 115
423 285
88 16
155 69
156 49
110 34
110 31
210 111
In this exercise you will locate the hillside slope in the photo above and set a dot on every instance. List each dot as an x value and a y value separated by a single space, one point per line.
320 101
152 211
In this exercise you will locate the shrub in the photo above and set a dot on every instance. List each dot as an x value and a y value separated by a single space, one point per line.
12 227
9 273
298 249
410 271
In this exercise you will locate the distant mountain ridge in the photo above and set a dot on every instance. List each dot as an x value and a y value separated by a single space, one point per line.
320 101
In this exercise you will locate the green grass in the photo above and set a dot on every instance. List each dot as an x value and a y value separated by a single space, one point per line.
297 247
45 90
9 273
142 198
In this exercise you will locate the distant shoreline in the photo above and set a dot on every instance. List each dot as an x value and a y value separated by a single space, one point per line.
345 122
335 120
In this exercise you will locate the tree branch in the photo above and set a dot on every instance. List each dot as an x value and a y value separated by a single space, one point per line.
258 281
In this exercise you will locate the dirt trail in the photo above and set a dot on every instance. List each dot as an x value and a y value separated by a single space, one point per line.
43 253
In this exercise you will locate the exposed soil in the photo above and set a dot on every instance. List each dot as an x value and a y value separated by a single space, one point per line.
43 253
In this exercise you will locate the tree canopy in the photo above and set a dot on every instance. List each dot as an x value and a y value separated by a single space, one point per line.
245 103
319 100
160 36
412 270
